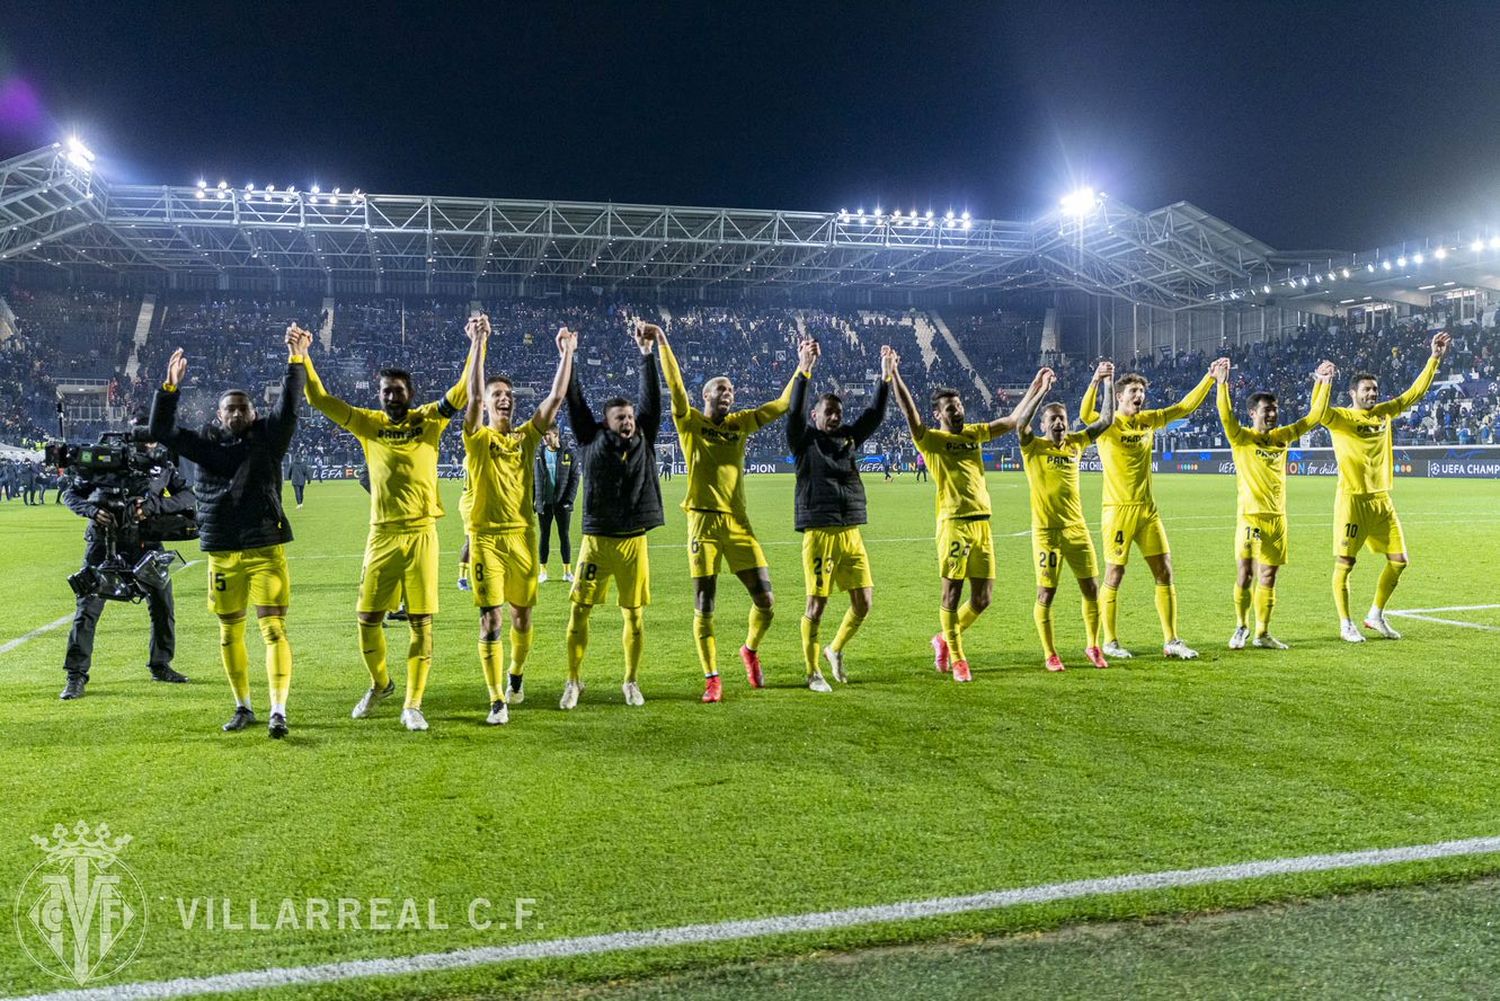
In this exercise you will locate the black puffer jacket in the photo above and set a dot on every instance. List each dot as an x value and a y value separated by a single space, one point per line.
239 477
621 495
830 493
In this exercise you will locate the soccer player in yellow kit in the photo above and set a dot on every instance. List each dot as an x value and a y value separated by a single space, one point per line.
1059 533
1260 529
1363 514
1130 515
713 445
499 520
966 549
401 553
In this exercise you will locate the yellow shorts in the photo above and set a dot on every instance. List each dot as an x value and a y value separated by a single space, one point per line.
966 550
247 577
503 568
400 565
715 536
1361 520
1262 538
1124 524
1070 544
834 559
602 558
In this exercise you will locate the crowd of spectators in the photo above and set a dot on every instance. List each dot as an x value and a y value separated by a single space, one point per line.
238 342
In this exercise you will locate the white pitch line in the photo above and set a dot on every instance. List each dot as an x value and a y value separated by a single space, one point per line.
1416 613
725 931
60 622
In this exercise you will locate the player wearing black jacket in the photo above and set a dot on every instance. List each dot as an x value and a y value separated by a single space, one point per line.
621 503
830 507
555 484
242 526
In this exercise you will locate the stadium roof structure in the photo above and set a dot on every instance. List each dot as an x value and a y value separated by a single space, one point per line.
57 210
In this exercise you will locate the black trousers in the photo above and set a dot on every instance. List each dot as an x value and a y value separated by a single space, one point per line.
86 618
297 489
563 518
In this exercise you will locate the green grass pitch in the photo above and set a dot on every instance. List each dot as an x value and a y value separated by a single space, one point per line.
901 785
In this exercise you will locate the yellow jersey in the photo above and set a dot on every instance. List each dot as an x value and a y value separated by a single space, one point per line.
956 462
402 455
715 450
1260 457
1125 446
1052 475
500 467
1362 438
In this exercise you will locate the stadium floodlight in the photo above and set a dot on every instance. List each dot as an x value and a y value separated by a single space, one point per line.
1079 202
949 214
1317 278
1344 272
1331 276
1304 281
1401 261
1495 243
1440 253
965 216
316 190
929 214
1370 267
1386 264
1418 258
80 155
1477 246
1265 290
967 223
202 183
200 193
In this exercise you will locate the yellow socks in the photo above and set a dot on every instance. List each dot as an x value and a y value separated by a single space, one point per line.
372 649
1241 606
952 634
703 639
809 645
1108 596
236 660
966 616
577 638
1341 573
1042 615
278 659
1265 600
847 629
760 621
1091 621
633 637
1388 578
492 662
520 649
418 661
1166 610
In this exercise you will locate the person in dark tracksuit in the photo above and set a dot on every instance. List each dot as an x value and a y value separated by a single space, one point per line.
299 473
830 507
169 493
555 485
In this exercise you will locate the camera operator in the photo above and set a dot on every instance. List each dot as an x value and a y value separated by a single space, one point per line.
242 526
168 493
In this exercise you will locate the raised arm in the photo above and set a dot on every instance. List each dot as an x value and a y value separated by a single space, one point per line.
773 409
796 420
906 401
164 426
478 329
1418 389
1192 401
1232 428
1025 409
681 405
546 411
282 420
874 415
585 425
456 400
648 408
1317 411
1104 378
1088 409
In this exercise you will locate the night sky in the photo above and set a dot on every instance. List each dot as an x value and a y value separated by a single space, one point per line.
1307 125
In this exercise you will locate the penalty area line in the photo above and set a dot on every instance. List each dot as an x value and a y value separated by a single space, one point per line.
61 621
724 931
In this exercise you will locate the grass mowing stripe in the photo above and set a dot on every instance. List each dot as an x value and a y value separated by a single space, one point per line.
754 928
